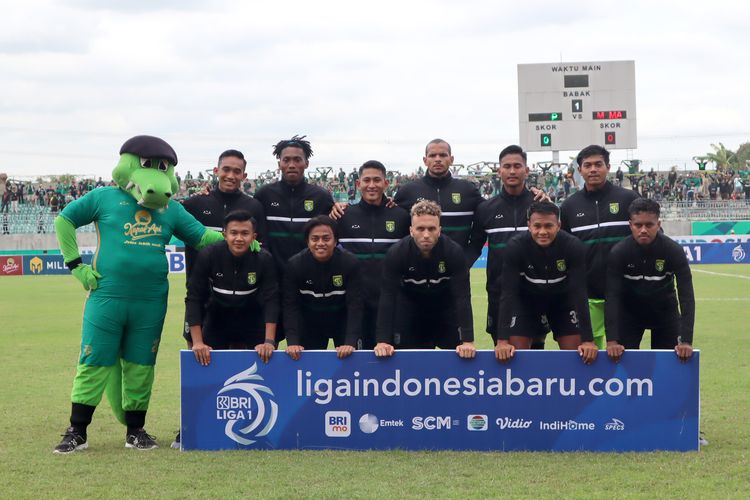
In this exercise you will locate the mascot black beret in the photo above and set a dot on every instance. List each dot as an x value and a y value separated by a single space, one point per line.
148 146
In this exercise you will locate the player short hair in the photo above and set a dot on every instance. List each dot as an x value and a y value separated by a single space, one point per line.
543 208
372 164
640 205
232 153
592 150
425 207
240 216
513 149
320 220
438 141
295 142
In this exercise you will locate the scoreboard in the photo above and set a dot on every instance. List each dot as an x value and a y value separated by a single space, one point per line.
567 106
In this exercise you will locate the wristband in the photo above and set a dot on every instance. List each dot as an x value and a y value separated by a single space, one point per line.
270 341
74 263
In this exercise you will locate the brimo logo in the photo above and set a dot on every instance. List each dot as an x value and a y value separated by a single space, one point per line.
242 403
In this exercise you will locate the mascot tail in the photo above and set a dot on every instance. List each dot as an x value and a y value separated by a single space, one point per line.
114 391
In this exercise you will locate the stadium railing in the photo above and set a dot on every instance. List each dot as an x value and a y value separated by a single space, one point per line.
705 210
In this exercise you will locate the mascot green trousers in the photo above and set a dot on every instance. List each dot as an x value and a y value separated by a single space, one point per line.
127 280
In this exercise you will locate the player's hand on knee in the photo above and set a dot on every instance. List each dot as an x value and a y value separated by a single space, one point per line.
615 350
504 351
294 351
684 351
265 351
202 353
588 352
384 350
343 351
466 350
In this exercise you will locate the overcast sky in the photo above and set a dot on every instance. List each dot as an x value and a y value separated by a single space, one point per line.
363 80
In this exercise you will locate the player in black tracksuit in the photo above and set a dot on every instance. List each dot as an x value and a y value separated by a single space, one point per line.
457 198
291 202
232 297
288 207
368 229
598 216
641 274
211 209
543 276
322 299
425 301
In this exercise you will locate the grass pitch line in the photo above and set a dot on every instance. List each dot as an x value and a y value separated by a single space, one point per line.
741 276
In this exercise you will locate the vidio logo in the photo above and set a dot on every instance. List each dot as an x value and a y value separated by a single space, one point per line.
246 406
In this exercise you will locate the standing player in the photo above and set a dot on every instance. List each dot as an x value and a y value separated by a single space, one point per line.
598 216
543 276
291 202
211 209
322 293
641 274
425 299
498 220
368 229
457 198
233 294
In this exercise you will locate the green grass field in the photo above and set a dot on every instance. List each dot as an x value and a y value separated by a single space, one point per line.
41 333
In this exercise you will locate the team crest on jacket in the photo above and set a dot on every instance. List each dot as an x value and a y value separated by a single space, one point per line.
561 265
660 265
252 278
456 197
441 267
309 205
614 208
338 280
390 225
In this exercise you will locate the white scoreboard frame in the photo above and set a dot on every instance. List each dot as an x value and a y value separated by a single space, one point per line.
567 106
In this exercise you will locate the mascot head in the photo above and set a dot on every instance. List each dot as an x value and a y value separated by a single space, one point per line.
146 170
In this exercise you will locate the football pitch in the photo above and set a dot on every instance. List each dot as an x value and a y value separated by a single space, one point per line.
40 333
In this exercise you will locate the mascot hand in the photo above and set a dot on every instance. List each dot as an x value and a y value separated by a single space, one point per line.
86 276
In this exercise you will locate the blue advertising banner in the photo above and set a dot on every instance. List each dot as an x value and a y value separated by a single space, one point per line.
718 253
48 264
433 400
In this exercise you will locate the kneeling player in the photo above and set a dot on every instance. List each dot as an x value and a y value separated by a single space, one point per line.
641 272
425 298
322 293
235 283
544 277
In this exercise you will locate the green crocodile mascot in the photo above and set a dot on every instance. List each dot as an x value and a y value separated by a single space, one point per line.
127 284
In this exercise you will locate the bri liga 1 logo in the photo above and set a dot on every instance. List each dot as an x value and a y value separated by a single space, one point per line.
247 406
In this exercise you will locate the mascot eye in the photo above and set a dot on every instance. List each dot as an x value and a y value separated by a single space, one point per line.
161 165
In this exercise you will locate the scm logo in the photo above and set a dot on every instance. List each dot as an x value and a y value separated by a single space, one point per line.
338 424
432 423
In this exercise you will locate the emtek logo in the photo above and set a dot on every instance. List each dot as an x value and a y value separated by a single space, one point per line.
614 425
432 423
338 424
476 422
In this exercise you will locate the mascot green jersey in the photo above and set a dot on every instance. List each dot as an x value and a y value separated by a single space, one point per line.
127 284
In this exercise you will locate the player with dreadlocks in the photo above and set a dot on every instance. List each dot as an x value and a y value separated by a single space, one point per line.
291 202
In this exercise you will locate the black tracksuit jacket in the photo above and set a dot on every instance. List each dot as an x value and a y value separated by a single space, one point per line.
600 220
287 208
458 199
436 281
535 279
231 295
322 299
641 285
